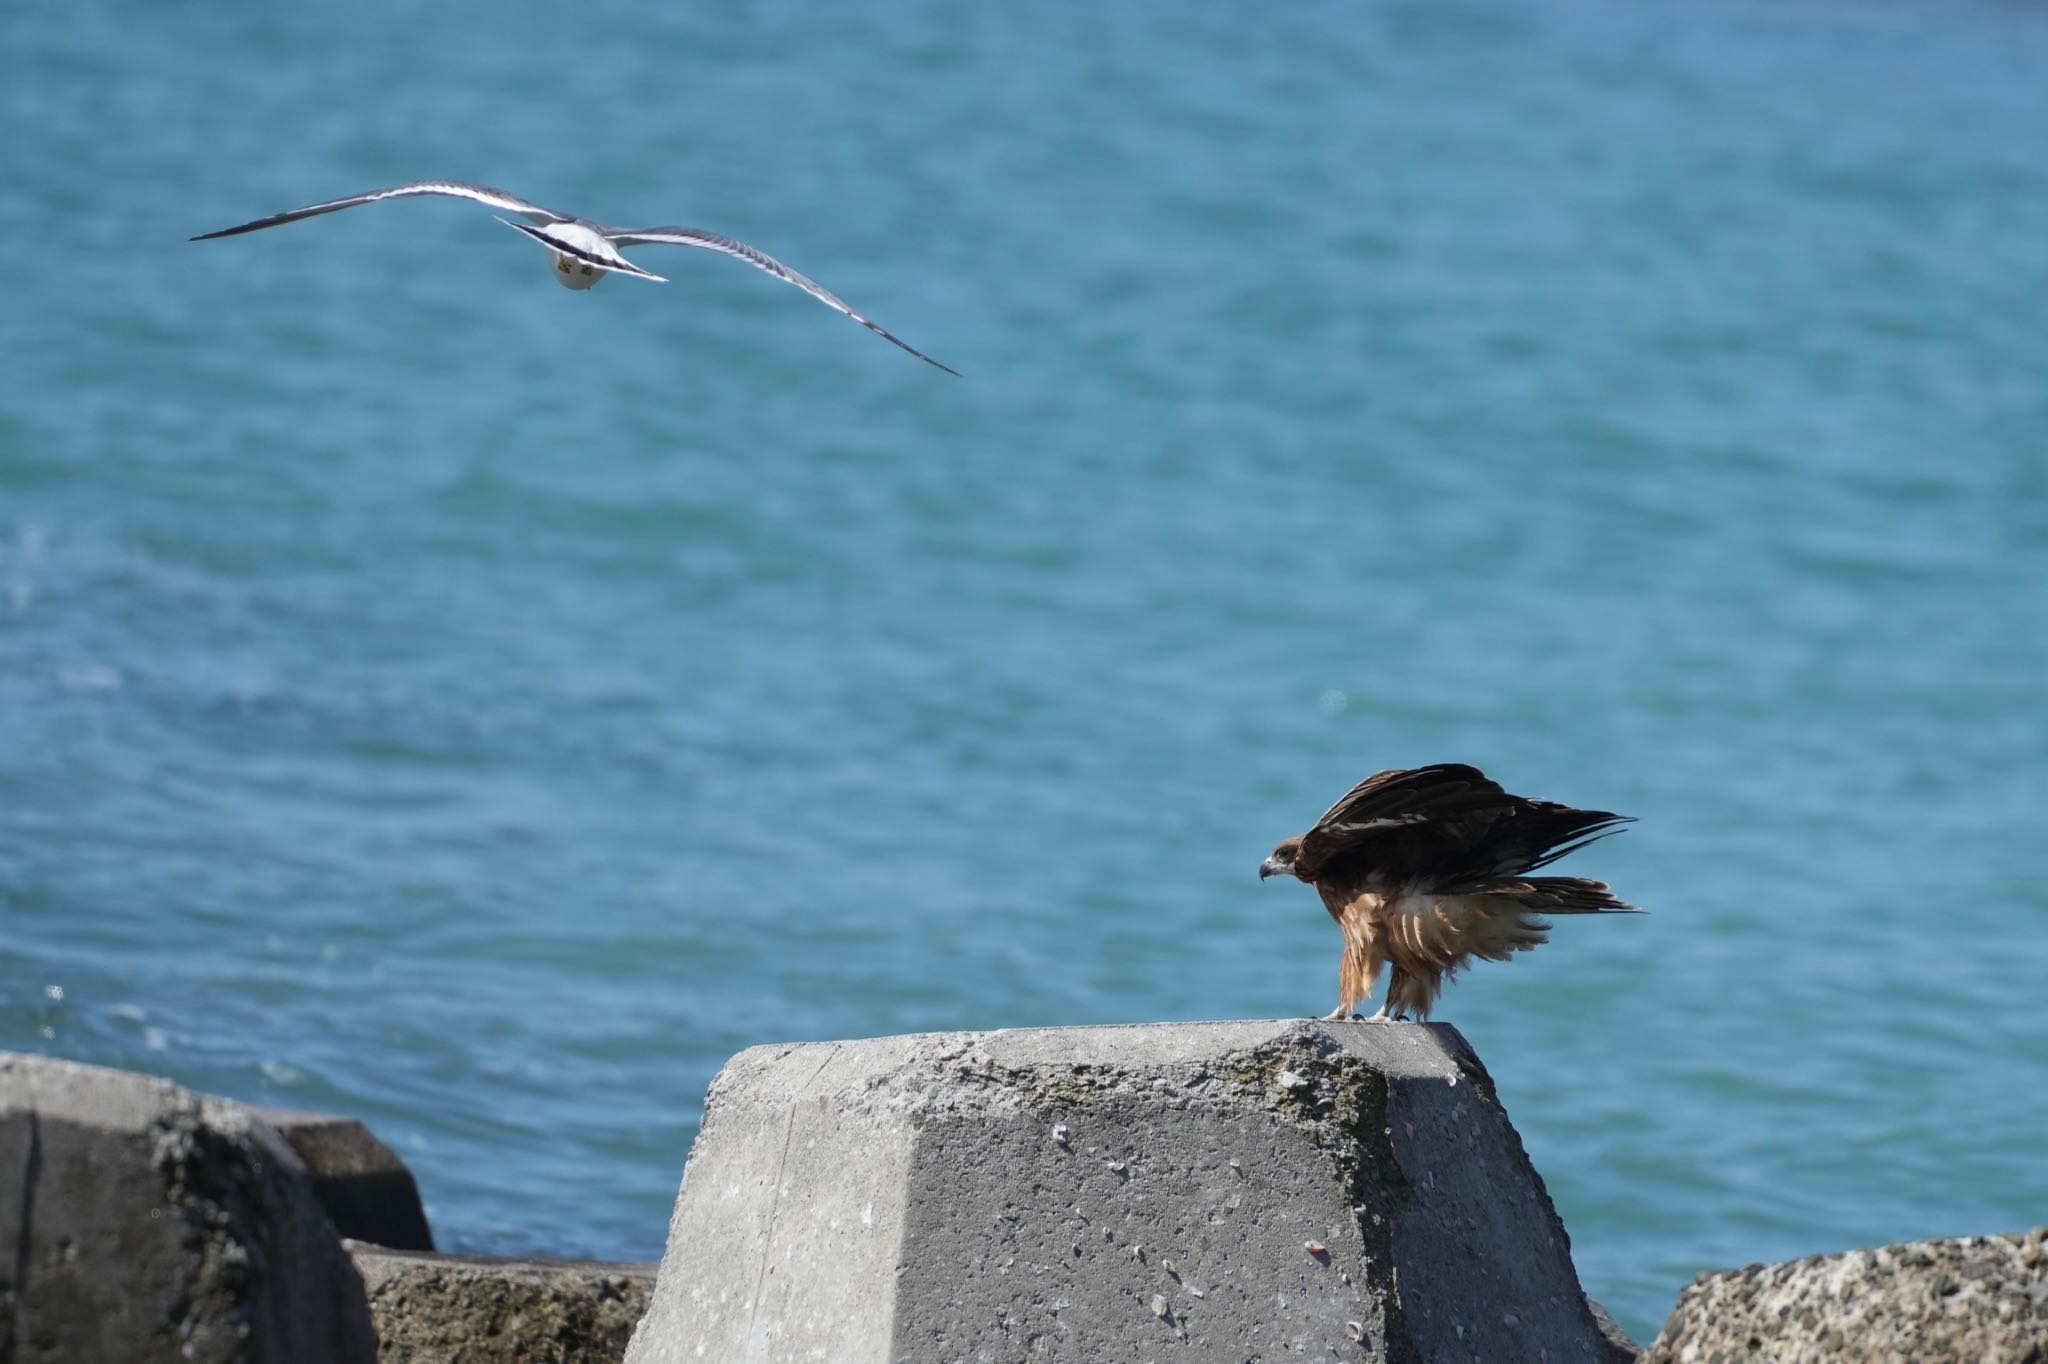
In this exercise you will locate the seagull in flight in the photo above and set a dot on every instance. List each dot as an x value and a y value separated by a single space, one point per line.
584 251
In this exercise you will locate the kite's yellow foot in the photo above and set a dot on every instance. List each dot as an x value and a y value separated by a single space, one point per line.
1341 1014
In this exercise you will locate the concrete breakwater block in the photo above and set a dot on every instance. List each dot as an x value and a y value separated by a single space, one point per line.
368 1192
1201 1191
481 1309
1983 1299
144 1222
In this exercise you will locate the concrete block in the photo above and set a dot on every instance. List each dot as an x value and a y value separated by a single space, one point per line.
1983 1299
480 1309
144 1222
1621 1346
1186 1192
368 1192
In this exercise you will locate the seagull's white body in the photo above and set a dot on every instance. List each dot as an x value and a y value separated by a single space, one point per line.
574 269
584 252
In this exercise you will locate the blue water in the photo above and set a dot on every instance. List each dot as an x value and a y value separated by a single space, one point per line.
434 695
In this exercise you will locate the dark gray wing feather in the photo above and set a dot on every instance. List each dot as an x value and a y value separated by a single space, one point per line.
457 189
760 260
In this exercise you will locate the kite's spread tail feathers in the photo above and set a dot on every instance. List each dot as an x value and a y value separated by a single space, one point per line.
1567 895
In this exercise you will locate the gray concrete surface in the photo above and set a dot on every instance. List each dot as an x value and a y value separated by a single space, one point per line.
368 1192
479 1309
1967 1300
1621 1346
142 1222
1186 1192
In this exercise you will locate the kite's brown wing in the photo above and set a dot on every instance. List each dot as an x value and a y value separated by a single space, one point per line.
1483 848
1431 790
1384 810
1535 833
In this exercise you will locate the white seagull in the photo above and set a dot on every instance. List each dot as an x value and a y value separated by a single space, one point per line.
585 251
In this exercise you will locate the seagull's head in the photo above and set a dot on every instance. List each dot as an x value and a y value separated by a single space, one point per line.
1281 861
571 273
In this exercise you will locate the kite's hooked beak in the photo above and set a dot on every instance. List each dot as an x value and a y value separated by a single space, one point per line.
1273 866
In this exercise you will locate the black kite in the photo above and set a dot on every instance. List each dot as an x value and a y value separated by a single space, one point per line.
1426 868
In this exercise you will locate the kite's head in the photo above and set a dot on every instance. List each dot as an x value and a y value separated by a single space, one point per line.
1281 863
571 273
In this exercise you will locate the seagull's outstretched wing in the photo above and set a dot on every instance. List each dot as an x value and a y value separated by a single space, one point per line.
458 189
711 241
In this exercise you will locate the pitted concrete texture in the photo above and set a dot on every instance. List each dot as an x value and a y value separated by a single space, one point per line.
144 1222
1234 1192
478 1309
1969 1300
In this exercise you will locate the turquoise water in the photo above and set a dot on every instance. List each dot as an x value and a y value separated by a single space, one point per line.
434 695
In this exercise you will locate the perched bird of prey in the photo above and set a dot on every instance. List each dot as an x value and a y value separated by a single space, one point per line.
584 251
1426 868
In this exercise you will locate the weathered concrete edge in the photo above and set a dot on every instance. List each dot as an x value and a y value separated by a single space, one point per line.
236 1252
1298 1071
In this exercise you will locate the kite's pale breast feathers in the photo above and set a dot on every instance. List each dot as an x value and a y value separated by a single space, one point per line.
1426 933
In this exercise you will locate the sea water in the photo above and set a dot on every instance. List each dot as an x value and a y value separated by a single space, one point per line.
435 696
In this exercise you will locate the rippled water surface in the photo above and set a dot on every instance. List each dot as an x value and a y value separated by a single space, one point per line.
434 695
